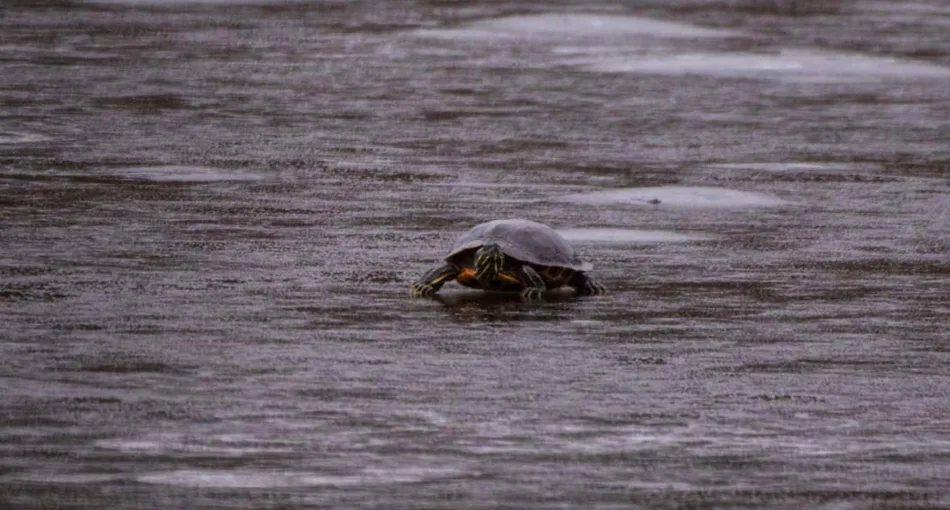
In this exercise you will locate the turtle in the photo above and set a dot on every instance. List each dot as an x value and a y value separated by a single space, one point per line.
511 255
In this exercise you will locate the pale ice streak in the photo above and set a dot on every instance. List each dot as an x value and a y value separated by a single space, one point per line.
268 479
791 65
629 236
791 166
619 44
184 173
573 26
159 3
678 196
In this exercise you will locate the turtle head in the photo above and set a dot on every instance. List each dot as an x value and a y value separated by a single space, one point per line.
489 260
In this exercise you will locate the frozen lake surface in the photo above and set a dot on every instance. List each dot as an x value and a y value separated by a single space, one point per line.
211 213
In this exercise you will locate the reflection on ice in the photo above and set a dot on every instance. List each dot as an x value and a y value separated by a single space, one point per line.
561 26
678 196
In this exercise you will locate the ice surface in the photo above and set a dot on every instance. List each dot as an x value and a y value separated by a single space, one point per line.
678 196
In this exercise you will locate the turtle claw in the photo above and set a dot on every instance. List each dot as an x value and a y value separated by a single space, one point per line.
422 290
593 288
531 294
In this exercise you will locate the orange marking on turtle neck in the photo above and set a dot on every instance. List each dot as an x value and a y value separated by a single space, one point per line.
467 275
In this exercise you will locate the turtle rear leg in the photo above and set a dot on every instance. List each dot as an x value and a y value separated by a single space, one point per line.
433 280
585 285
533 283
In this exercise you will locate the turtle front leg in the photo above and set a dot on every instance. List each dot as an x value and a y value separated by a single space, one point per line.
533 283
432 281
585 285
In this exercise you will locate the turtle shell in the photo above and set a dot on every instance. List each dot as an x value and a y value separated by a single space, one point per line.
525 240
